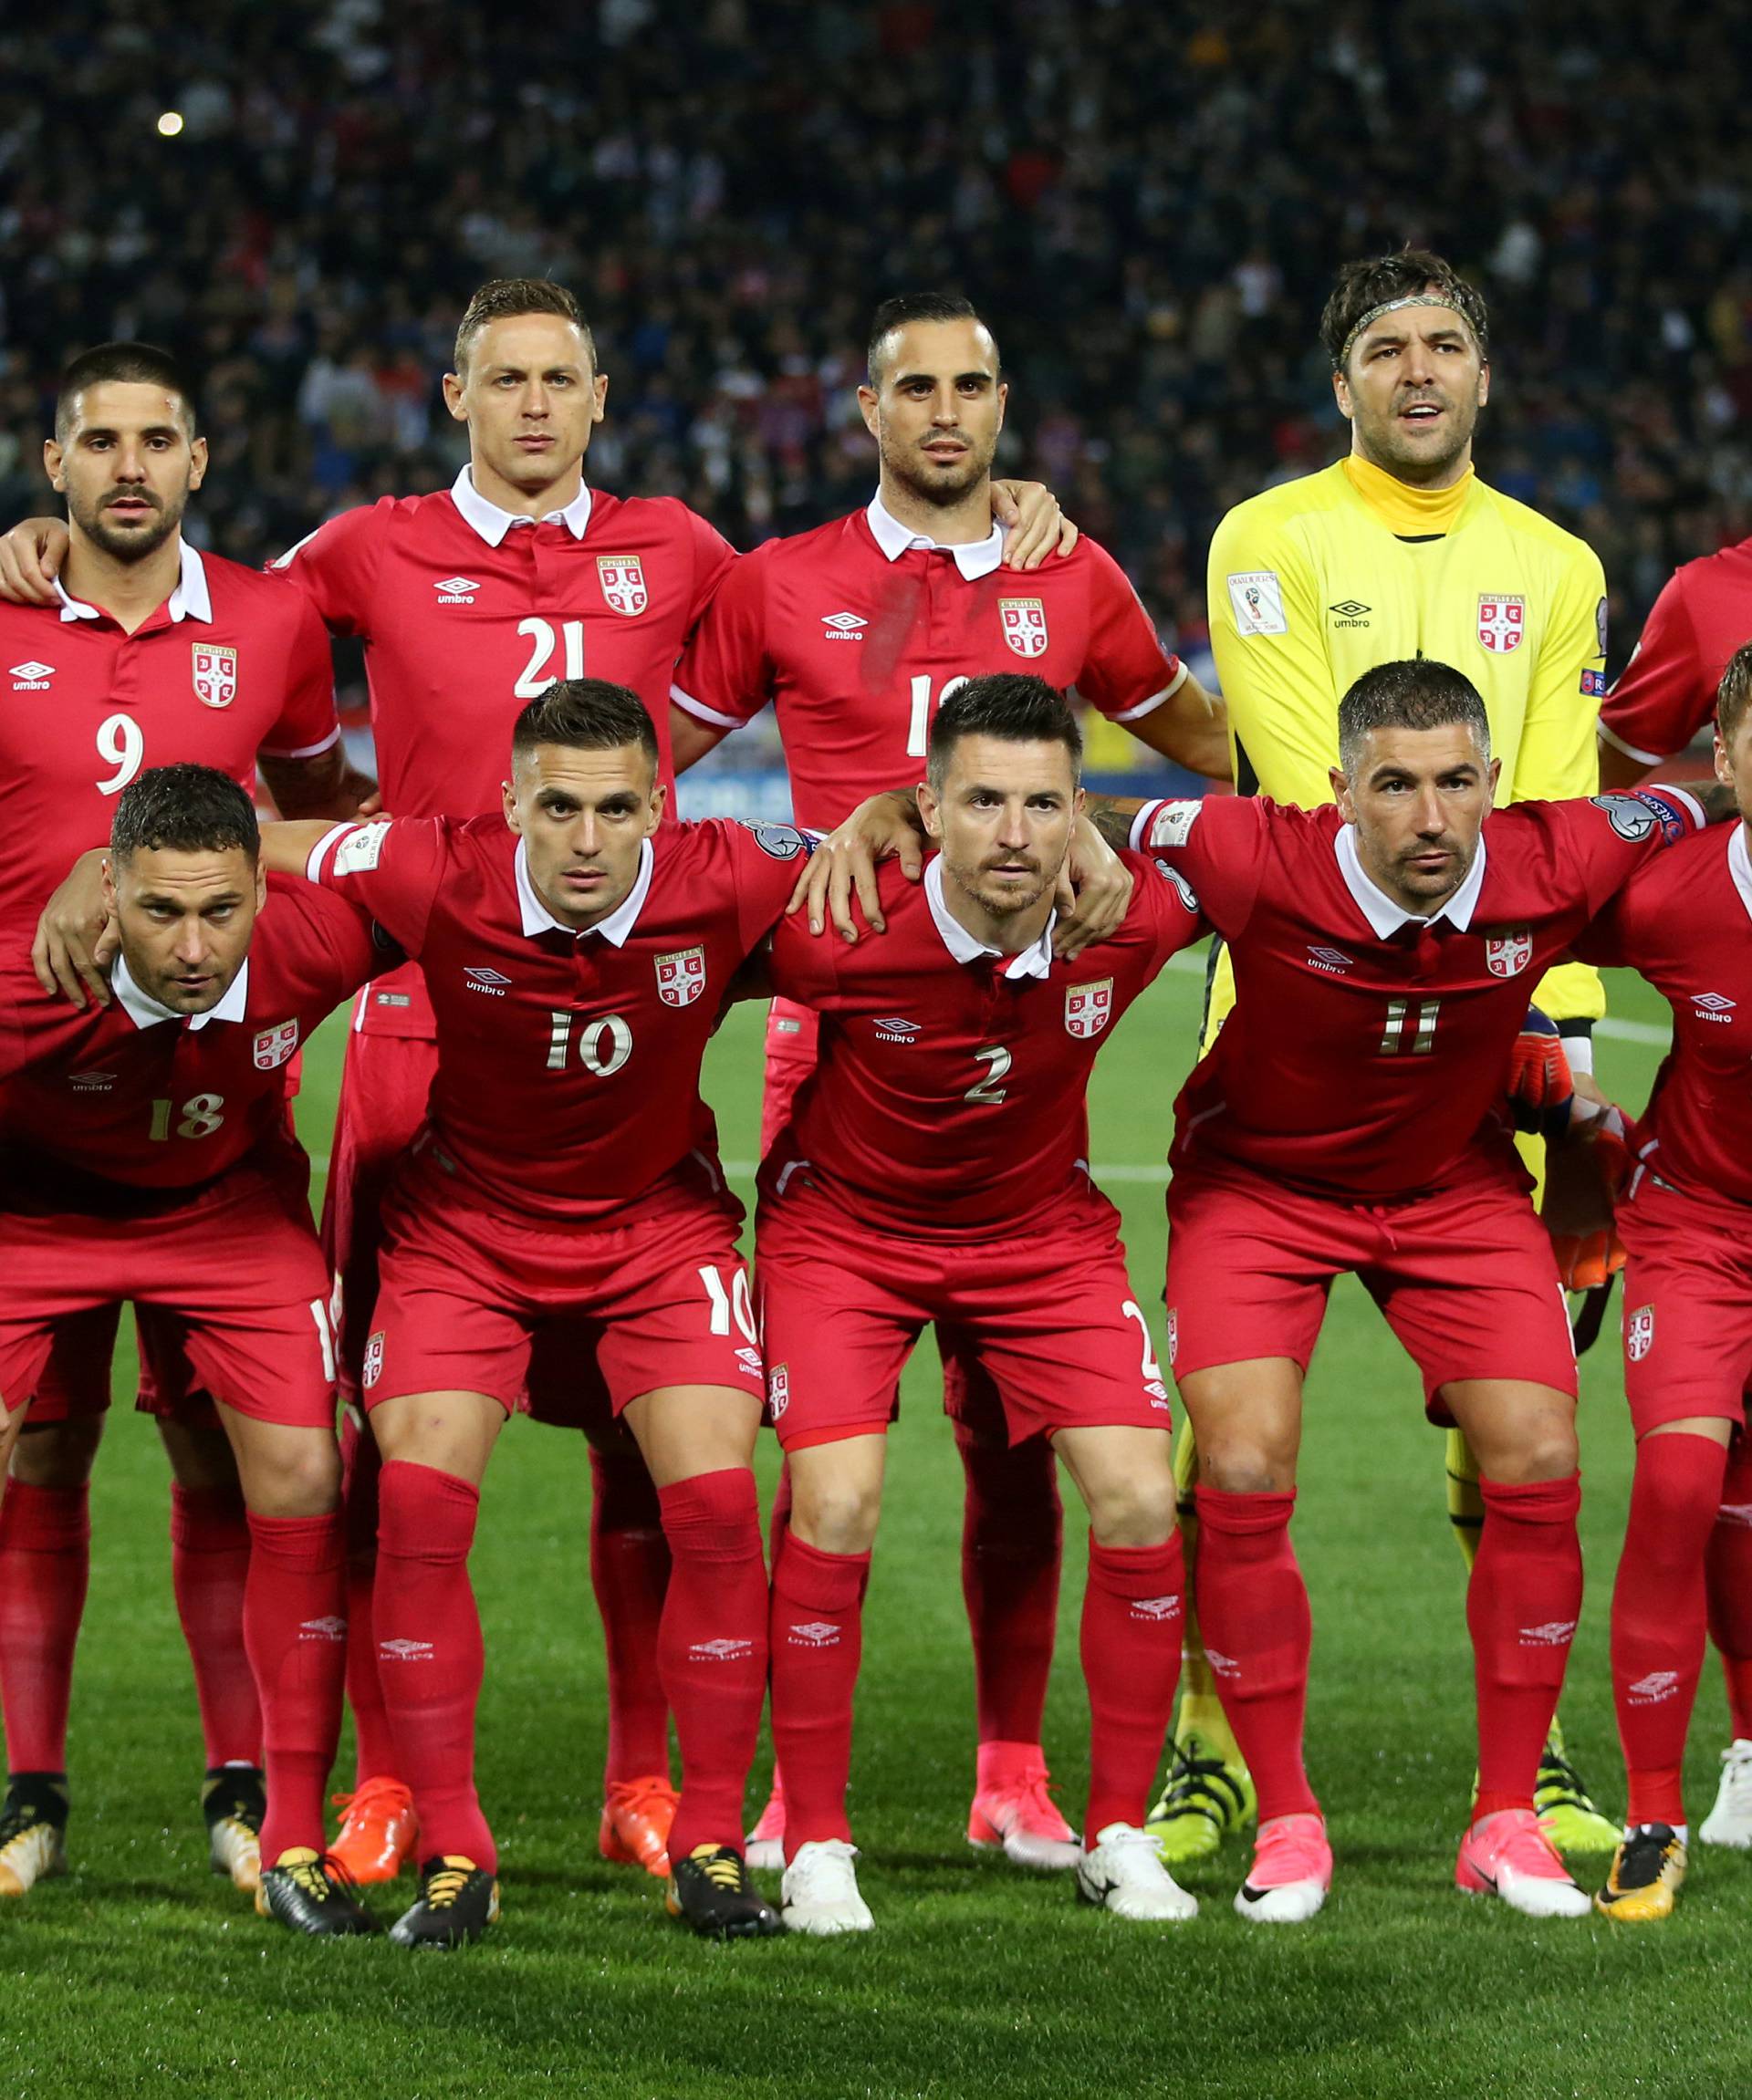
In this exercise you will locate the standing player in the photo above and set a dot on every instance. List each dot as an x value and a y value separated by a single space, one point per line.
149 653
857 632
1667 692
931 1170
139 1140
470 603
1398 550
1687 1557
576 957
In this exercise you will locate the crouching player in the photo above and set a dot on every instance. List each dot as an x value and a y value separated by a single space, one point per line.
1686 1222
932 1171
144 1156
576 957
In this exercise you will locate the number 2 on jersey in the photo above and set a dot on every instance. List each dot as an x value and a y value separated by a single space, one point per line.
537 673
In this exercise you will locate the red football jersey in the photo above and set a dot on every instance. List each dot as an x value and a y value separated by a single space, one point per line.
231 663
133 1094
1682 923
468 613
856 634
950 1095
1368 1049
1667 691
569 1064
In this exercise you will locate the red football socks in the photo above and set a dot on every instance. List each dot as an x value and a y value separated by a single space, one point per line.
373 1740
429 1651
45 1565
210 1572
1252 1608
1012 1531
712 1649
1658 1615
1522 1605
296 1630
1729 1569
817 1639
1134 1613
630 1563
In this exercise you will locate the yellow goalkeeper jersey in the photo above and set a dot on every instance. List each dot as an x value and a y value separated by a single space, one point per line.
1314 581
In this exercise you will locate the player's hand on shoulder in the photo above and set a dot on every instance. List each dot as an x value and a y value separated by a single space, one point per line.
1094 892
1034 525
1585 1172
31 556
76 938
886 826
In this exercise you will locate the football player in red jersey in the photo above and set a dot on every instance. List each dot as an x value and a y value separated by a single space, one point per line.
1666 695
469 602
931 1169
1687 1557
151 652
139 1136
576 951
857 632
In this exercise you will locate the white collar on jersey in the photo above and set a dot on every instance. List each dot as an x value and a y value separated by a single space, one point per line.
189 601
1033 961
1739 866
983 558
145 1012
1379 909
614 929
492 524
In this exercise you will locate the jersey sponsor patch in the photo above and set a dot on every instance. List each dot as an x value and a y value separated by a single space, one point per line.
1508 954
1593 684
1639 1333
1024 622
1502 622
680 976
215 670
361 850
274 1046
1258 596
1173 823
781 841
623 584
1089 1008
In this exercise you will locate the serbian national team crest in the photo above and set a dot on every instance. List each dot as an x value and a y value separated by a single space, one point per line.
778 1389
623 583
1502 622
1173 1332
1089 1007
216 674
1639 1333
371 1369
275 1046
680 976
1025 624
1508 954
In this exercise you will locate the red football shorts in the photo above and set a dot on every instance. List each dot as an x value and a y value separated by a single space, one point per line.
1465 1277
1046 1311
1687 1304
233 1280
662 1300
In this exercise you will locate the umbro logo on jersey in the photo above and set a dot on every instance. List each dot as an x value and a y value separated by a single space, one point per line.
92 1082
481 979
329 1628
1334 961
721 1650
815 1633
1155 1607
455 589
842 627
1552 1633
403 1651
1712 1007
1349 612
890 1028
1652 1689
32 677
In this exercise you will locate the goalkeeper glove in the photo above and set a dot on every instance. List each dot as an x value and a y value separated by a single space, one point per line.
1542 1092
1590 1257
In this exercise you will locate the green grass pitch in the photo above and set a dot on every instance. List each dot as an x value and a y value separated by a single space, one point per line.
980 1981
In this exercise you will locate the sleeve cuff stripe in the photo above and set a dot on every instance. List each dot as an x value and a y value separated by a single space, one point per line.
1141 825
319 852
1155 699
1688 802
701 712
304 750
1630 750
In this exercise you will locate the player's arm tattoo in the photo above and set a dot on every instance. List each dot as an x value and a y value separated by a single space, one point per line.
1717 803
1114 816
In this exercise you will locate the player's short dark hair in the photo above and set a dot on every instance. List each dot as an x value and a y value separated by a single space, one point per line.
1734 693
1012 707
586 715
133 364
1414 694
902 311
502 299
186 809
1373 281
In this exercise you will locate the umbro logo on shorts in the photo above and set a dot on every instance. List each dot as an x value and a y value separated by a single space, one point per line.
843 627
403 1651
1554 1633
1652 1689
721 1650
815 1633
329 1628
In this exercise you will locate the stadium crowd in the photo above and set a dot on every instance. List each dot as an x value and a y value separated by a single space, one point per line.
1146 200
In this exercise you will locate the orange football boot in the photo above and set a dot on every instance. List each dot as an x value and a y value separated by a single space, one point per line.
636 1817
378 1832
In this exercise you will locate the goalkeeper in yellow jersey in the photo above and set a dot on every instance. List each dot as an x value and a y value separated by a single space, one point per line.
1399 550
